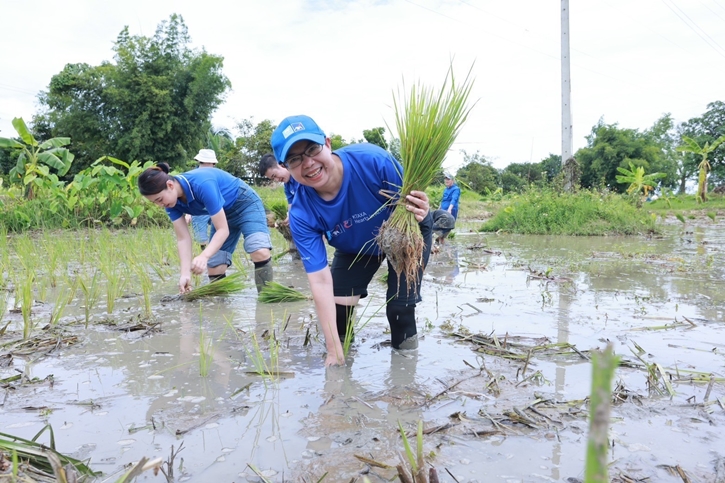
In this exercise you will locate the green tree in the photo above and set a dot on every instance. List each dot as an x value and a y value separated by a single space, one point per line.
376 136
706 129
154 103
691 146
608 148
665 135
35 159
551 166
253 142
478 174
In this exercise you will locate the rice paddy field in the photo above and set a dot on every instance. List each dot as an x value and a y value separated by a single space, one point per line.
99 362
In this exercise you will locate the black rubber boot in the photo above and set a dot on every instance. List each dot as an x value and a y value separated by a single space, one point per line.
344 317
214 278
262 274
403 333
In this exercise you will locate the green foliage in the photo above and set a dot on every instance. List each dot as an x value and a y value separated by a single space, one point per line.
104 193
638 181
35 159
603 367
478 174
609 148
706 129
252 143
153 103
585 213
691 146
376 136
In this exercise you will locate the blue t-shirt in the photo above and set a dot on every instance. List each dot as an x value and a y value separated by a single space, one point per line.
290 188
450 197
351 220
207 190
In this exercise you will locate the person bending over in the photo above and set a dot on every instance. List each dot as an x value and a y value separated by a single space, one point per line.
235 210
340 198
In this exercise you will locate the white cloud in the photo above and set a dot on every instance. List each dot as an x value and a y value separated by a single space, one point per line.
340 61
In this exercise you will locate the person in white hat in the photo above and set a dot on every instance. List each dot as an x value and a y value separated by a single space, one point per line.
200 224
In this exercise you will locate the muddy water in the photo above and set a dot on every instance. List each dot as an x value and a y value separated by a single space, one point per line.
119 395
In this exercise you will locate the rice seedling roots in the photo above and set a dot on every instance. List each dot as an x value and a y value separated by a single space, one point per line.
403 248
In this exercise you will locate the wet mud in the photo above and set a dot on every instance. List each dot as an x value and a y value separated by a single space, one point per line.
500 380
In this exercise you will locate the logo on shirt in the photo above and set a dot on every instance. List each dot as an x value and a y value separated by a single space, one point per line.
347 223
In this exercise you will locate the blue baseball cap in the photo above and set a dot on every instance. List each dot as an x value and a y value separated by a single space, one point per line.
293 129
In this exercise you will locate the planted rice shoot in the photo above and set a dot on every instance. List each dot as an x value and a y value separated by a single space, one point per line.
274 292
428 122
232 283
206 344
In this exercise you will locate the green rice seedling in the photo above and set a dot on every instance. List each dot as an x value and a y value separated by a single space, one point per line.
232 283
417 473
680 217
279 208
26 302
91 291
274 292
428 122
115 280
61 301
146 288
206 344
355 327
267 370
603 366
711 215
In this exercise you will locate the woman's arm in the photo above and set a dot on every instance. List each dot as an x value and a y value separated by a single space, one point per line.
183 244
322 293
198 265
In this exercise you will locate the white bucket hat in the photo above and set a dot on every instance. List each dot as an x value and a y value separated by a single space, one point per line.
206 156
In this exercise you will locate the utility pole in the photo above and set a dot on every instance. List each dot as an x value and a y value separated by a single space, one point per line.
568 163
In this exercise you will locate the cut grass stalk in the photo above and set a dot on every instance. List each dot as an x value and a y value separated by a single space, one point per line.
232 283
274 292
428 122
603 366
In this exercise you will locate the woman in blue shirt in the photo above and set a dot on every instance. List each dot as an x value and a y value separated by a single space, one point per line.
235 210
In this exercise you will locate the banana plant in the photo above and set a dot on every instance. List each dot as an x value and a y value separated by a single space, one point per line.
691 146
35 158
638 181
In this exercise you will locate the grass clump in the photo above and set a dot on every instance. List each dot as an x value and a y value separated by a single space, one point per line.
274 292
232 283
583 213
428 121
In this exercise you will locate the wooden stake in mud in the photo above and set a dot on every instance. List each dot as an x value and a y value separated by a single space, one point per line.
428 122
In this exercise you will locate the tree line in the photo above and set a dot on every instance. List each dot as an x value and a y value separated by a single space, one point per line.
156 99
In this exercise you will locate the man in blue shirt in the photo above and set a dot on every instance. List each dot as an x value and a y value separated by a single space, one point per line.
274 171
451 195
340 197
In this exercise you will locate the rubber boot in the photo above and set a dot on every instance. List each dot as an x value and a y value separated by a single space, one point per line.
403 332
262 275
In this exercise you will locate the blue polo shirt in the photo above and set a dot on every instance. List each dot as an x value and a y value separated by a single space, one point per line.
207 191
290 188
351 220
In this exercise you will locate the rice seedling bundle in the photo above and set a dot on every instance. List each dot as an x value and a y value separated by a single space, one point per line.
232 283
274 292
428 122
279 209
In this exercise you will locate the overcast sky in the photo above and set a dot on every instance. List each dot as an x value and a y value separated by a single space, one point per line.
340 61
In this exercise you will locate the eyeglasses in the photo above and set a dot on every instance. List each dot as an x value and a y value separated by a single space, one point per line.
295 160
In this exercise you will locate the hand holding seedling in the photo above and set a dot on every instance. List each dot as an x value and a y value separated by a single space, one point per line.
419 206
184 284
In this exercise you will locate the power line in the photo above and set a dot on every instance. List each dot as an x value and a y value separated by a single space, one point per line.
8 87
693 29
695 24
713 11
